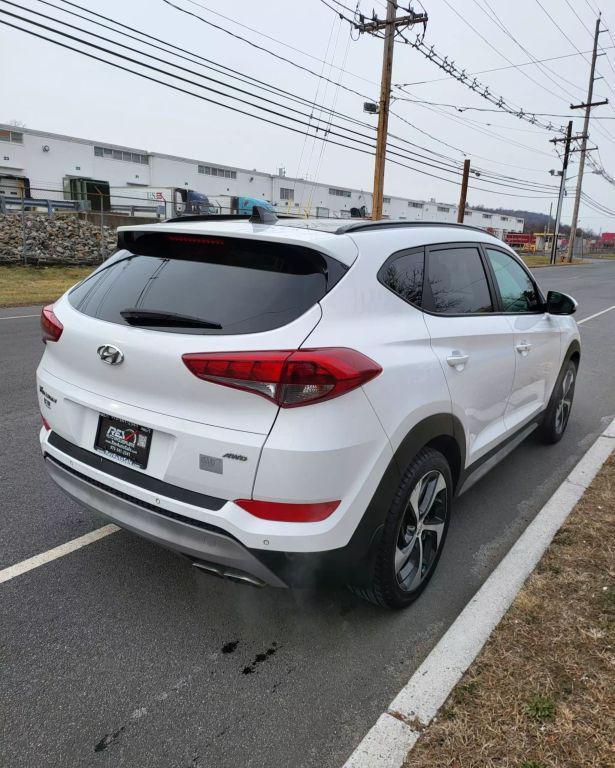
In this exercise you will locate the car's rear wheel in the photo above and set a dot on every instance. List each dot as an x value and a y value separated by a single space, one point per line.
558 412
414 533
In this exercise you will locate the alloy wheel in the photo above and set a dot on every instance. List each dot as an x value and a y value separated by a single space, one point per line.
421 530
564 403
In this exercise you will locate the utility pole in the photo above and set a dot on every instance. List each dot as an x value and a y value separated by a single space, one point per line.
390 27
461 211
548 225
562 187
588 107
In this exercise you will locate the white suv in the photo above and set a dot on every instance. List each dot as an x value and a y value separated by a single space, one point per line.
297 402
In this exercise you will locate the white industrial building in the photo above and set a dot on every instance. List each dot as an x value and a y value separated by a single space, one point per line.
42 165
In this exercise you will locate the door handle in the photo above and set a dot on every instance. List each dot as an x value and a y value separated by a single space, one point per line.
457 360
523 347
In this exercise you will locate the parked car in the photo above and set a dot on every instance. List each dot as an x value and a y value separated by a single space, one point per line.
298 402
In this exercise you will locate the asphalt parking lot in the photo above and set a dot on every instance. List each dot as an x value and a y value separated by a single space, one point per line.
122 654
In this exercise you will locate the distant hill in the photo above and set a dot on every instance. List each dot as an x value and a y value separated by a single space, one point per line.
534 222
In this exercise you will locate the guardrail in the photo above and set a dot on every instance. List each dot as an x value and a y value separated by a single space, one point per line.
29 203
155 210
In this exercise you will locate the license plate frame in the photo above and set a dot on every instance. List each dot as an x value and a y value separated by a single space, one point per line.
123 441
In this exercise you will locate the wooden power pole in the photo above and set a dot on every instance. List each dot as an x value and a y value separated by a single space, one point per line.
562 188
585 135
461 211
376 27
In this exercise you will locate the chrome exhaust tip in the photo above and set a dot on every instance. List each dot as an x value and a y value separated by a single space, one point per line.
224 572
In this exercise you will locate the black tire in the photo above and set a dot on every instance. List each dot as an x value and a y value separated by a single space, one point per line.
558 411
427 484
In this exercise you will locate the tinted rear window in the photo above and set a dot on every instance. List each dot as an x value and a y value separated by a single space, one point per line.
244 286
457 281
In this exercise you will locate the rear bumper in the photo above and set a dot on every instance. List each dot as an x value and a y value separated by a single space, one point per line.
208 546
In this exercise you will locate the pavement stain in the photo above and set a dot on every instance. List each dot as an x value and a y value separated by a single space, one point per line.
108 739
259 658
230 647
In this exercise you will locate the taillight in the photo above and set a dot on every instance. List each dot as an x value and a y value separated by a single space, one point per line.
286 377
51 327
288 513
46 424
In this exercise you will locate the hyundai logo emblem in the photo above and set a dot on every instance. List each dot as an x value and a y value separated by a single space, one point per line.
110 354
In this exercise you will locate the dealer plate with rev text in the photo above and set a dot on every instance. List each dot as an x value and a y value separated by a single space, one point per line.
123 441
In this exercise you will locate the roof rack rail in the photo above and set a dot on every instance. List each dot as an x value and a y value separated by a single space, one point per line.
358 226
259 215
209 217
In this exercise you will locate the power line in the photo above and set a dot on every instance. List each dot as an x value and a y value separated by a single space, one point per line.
494 48
255 45
412 156
466 108
501 69
177 51
545 193
543 68
474 85
272 89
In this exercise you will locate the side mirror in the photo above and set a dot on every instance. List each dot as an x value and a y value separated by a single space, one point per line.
560 304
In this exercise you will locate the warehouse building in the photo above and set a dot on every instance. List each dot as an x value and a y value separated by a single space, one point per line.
40 165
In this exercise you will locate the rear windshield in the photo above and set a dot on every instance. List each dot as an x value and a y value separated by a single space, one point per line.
205 285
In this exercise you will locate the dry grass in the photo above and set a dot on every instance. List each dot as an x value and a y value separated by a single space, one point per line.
542 692
533 260
37 285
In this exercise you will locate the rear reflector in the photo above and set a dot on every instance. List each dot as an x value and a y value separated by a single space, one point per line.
289 378
51 327
288 513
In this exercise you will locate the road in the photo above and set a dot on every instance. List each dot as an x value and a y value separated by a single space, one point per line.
122 654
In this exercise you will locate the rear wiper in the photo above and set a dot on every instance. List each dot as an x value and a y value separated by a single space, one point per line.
158 317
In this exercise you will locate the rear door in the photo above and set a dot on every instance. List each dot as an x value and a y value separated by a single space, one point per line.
473 343
536 337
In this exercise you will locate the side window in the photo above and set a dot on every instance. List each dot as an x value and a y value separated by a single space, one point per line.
402 273
457 281
516 289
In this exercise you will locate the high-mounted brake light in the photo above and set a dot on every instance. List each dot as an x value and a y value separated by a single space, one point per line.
51 327
289 378
289 513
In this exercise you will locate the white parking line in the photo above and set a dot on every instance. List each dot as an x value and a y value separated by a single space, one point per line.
18 317
591 317
52 554
397 730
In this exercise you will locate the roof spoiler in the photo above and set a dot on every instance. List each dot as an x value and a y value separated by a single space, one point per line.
261 215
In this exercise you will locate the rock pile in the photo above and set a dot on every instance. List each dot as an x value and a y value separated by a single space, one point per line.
61 239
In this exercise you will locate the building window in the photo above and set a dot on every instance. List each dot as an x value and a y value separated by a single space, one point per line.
486 215
340 192
118 154
210 170
519 221
287 194
412 204
443 209
466 214
386 199
504 218
15 136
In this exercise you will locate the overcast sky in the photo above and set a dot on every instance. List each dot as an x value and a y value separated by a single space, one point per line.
56 90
